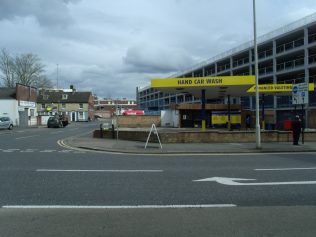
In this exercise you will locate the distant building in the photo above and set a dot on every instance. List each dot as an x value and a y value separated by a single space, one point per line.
107 107
19 104
77 105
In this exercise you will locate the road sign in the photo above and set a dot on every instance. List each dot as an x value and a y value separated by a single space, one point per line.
300 94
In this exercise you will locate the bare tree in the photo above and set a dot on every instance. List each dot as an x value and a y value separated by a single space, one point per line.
28 69
7 69
43 82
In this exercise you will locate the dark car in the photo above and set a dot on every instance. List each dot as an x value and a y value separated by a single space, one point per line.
54 122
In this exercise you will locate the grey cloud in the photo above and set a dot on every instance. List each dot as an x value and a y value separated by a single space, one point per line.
50 13
153 59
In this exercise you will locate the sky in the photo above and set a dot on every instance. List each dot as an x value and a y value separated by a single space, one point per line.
110 47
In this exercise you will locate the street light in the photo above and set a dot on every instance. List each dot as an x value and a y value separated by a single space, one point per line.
258 135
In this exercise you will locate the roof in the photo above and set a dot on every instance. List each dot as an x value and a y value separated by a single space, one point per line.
7 93
59 97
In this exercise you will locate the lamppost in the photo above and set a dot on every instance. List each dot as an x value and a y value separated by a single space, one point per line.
258 135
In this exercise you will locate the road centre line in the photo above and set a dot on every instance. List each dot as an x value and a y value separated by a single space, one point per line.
27 137
286 169
117 207
110 171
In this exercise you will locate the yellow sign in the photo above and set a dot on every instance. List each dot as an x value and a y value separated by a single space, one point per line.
221 118
274 88
202 81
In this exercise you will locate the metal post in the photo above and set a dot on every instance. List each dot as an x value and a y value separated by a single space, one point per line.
303 123
258 135
262 112
229 122
203 110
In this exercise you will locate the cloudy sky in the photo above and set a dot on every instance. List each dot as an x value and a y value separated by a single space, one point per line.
110 47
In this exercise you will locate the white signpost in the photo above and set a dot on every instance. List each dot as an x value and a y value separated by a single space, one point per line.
300 94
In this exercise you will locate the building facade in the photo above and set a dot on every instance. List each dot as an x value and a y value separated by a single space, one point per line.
286 55
19 104
78 106
106 107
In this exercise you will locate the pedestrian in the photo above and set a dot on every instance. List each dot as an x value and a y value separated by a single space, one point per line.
248 122
296 129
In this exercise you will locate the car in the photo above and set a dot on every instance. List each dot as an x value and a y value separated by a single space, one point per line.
54 122
6 123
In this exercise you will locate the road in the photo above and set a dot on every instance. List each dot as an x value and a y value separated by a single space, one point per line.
83 193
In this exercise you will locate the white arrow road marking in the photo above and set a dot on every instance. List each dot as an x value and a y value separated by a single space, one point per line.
232 181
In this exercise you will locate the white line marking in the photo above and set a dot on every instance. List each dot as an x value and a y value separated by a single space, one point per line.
65 151
113 171
26 137
28 150
56 132
10 150
282 169
48 151
118 207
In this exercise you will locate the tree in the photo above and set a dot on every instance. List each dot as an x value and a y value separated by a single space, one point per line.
26 69
7 69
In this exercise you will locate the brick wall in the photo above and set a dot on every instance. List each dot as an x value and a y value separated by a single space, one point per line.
138 121
208 136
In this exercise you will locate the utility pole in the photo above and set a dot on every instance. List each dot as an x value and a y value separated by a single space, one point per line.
57 77
258 135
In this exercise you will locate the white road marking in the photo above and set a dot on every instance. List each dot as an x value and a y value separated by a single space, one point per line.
57 132
65 151
286 169
110 171
232 182
28 150
44 151
27 137
10 150
118 207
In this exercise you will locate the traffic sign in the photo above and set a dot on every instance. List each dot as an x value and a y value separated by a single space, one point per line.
300 94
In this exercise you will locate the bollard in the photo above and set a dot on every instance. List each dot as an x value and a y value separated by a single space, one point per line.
113 131
101 130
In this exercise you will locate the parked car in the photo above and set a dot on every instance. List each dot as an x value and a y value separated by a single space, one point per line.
6 123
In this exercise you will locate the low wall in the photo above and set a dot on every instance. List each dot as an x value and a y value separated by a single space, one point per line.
207 136
135 121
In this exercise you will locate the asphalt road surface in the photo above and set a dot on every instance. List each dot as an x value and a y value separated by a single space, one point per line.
47 190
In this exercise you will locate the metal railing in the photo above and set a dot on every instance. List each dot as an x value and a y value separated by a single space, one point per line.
290 64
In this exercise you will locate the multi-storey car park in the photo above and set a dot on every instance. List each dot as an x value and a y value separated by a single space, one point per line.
286 55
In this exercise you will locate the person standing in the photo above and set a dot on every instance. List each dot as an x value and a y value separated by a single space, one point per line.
248 122
296 129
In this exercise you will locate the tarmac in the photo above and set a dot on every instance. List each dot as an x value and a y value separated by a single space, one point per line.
87 142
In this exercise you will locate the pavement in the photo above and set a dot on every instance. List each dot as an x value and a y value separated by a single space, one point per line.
136 147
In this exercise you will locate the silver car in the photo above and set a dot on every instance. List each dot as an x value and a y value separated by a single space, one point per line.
6 123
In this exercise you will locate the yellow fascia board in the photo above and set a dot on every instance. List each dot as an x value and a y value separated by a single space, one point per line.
203 81
276 88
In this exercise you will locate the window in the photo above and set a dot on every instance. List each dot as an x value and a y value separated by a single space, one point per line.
32 112
45 97
80 106
43 106
64 96
63 105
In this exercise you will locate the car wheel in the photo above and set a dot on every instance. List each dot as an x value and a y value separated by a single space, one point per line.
10 127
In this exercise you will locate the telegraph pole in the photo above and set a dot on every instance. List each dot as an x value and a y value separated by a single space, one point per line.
258 135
